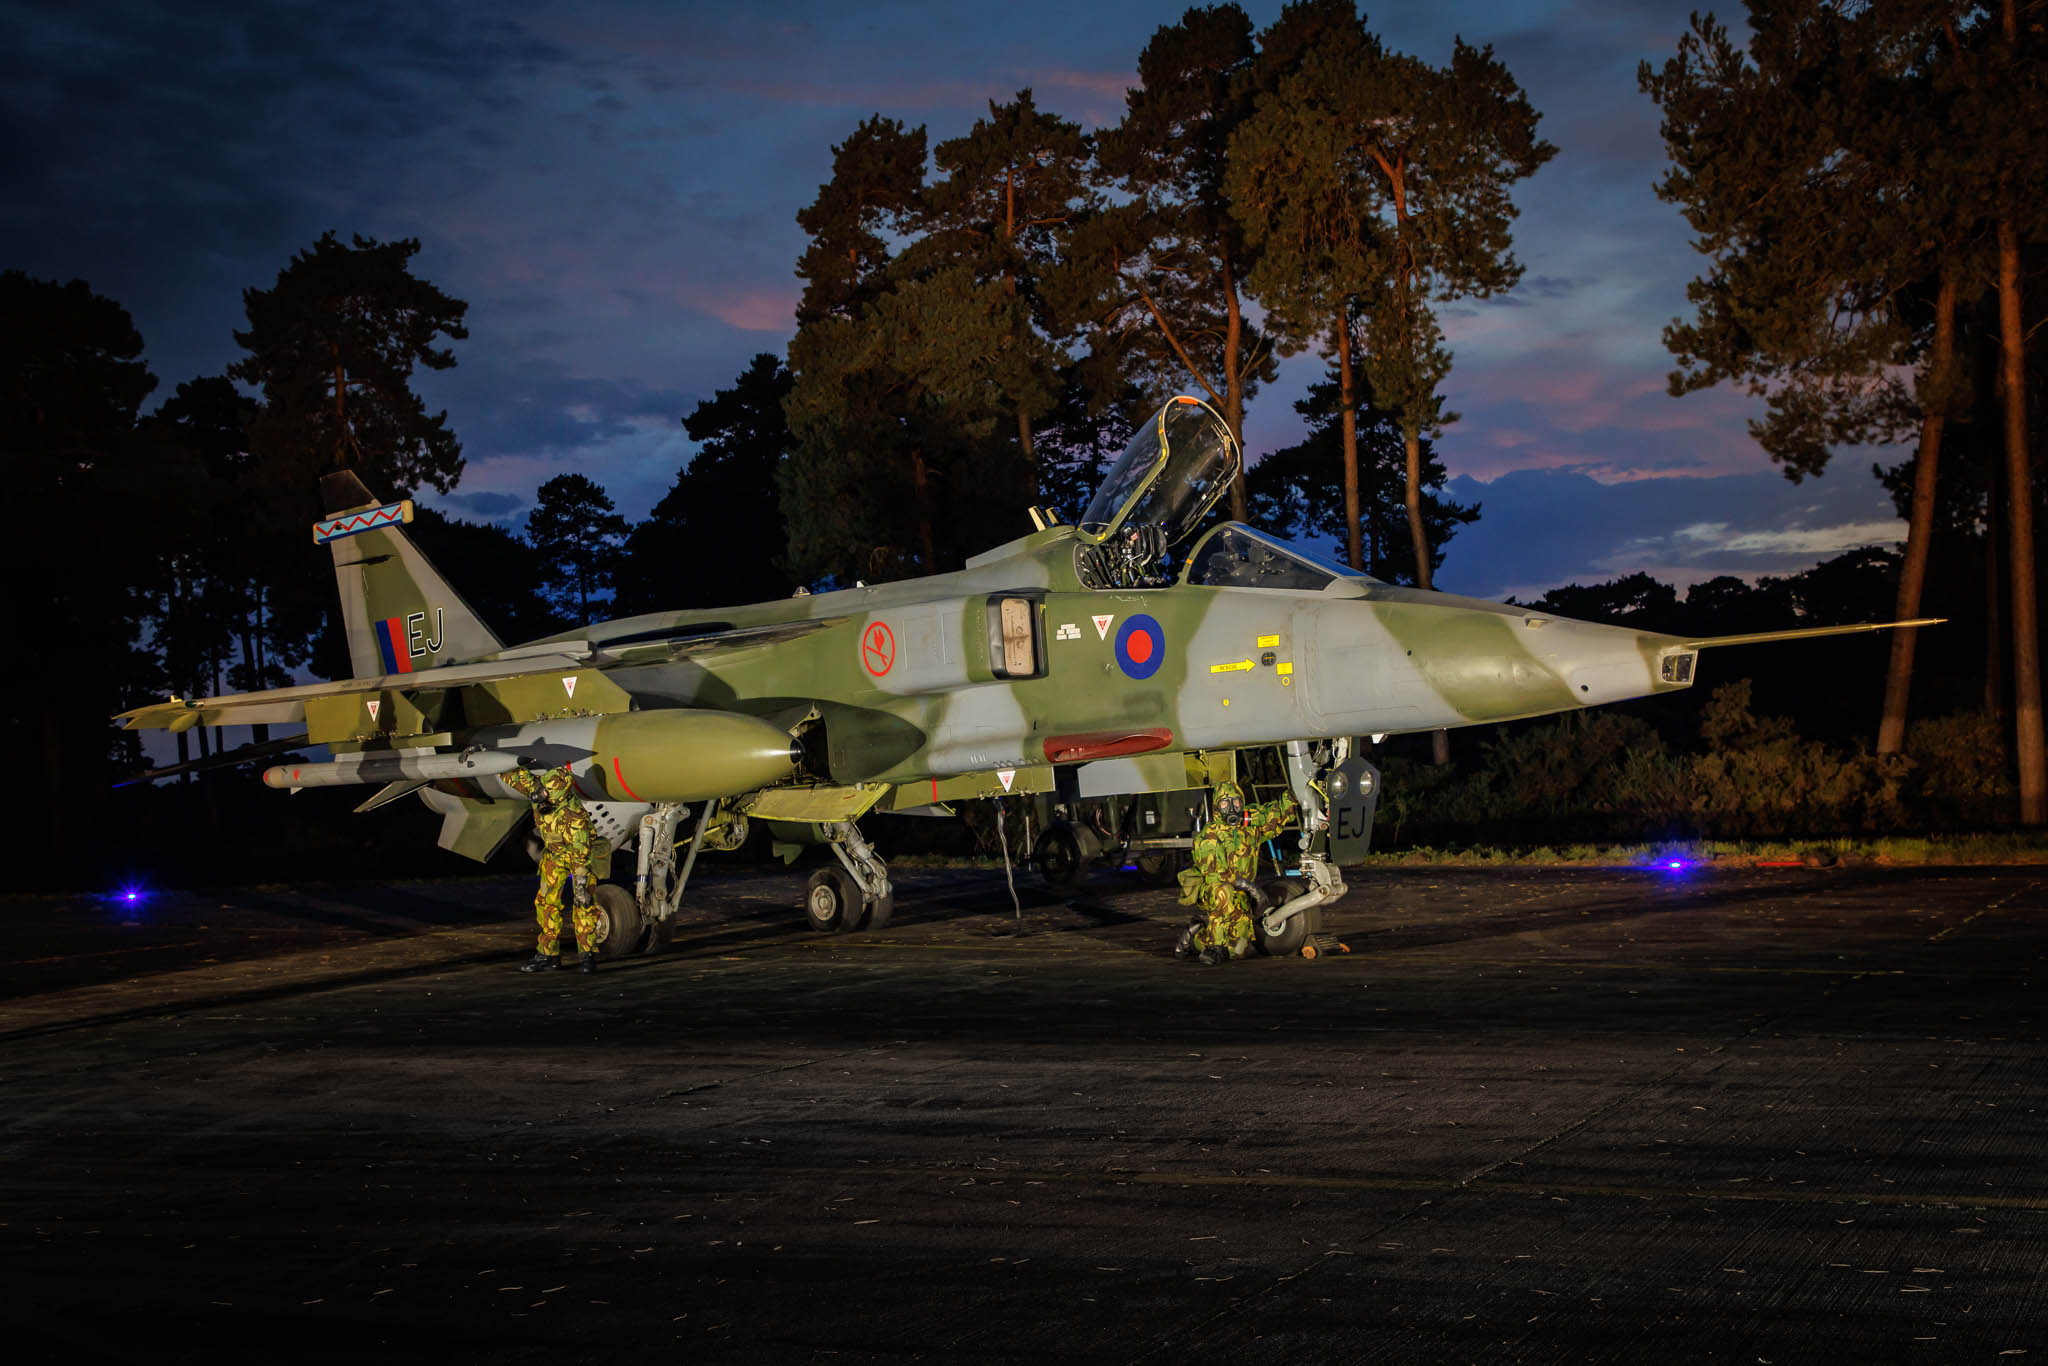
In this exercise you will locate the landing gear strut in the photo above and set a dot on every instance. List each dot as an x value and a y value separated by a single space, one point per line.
1337 792
659 882
857 894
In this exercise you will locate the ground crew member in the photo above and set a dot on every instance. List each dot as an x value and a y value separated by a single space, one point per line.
564 829
1226 852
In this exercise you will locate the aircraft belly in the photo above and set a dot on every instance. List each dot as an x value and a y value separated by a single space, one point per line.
1166 772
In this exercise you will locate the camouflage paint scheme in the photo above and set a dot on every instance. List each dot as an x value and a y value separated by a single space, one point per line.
818 708
1225 854
564 829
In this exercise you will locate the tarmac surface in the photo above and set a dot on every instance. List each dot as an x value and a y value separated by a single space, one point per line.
1784 1115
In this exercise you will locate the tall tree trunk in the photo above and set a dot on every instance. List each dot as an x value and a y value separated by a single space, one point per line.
1233 386
1898 683
1350 428
2019 513
260 732
341 412
922 485
1994 595
1418 534
1024 442
1439 741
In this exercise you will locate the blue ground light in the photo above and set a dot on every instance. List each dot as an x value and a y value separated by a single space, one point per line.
129 897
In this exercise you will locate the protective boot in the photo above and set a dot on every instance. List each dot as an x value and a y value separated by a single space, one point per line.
1241 947
1185 948
589 963
1215 955
542 962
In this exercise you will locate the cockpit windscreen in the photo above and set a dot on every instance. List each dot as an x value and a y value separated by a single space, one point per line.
1235 556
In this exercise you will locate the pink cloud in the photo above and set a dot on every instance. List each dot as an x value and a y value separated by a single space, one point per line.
754 310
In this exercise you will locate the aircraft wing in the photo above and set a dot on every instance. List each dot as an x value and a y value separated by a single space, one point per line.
285 705
289 704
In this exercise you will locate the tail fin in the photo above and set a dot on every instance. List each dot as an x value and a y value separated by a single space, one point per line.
401 615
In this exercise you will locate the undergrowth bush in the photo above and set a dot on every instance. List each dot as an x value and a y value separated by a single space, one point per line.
1608 776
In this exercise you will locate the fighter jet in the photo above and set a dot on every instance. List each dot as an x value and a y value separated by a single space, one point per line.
1080 660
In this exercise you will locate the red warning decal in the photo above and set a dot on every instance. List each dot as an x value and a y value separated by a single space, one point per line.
878 649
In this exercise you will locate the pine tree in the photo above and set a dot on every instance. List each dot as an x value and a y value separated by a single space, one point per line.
876 190
71 383
1157 281
1297 189
718 535
1300 490
1014 187
578 535
900 470
332 348
1856 176
1448 145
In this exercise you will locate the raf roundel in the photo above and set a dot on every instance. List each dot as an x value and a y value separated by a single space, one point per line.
1140 646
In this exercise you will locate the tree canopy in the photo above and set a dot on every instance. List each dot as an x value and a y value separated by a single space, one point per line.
332 347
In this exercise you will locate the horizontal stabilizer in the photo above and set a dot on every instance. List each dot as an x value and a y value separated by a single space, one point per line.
472 828
1806 633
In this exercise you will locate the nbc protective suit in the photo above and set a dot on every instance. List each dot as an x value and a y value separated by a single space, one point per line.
1227 851
564 829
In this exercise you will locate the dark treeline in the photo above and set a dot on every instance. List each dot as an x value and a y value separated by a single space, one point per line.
1773 740
987 311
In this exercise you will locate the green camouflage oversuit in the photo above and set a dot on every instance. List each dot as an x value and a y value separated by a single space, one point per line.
564 829
1222 855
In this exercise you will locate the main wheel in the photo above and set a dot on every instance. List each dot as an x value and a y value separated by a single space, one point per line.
1278 891
619 931
1059 858
1161 867
833 901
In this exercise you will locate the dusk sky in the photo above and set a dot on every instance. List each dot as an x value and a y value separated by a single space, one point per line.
613 187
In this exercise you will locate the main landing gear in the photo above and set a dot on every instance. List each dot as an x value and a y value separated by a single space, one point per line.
855 895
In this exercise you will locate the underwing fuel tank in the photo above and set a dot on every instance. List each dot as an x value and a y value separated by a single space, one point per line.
680 755
666 755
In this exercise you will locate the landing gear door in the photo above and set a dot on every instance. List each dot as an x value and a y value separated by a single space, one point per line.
1352 789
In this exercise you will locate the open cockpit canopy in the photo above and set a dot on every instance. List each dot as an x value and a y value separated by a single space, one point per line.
1170 474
